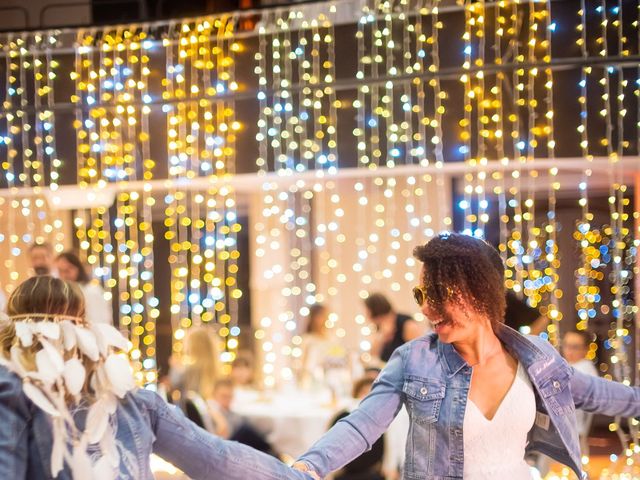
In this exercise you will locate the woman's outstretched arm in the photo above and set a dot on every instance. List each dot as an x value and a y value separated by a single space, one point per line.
203 456
357 432
597 395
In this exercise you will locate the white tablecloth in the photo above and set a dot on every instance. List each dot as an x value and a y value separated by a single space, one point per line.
292 421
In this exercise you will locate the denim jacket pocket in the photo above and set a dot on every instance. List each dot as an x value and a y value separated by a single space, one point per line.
556 393
424 398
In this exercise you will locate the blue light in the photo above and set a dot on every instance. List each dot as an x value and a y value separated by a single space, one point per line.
394 152
220 88
88 123
467 50
463 149
261 96
304 116
49 150
235 331
372 122
521 145
108 84
47 126
582 83
126 71
615 10
299 51
610 69
148 364
599 9
463 204
90 100
147 44
421 53
147 98
552 27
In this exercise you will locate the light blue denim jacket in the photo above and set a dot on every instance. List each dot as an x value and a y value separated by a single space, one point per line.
433 381
145 424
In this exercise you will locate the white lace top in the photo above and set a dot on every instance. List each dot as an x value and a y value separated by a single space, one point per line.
495 448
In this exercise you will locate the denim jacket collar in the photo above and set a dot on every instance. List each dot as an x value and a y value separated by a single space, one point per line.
524 350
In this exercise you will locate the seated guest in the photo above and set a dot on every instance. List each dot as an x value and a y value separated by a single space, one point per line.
71 269
393 329
233 425
242 370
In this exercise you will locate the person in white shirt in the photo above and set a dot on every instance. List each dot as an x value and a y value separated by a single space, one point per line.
575 346
71 269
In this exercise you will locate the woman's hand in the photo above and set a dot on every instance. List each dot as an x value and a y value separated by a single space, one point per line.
303 467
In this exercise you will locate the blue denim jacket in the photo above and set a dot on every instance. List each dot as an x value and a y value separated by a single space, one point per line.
433 381
145 424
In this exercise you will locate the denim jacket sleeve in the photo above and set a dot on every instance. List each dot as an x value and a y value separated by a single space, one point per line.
201 455
597 395
357 432
14 418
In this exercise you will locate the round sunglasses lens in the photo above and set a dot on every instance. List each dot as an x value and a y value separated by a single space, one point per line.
418 296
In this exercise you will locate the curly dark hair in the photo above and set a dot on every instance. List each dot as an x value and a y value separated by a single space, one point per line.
460 267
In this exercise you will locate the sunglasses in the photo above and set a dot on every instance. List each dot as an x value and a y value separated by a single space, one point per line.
420 294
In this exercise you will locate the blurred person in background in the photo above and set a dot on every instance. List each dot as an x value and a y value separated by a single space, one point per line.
71 269
242 370
41 258
393 329
522 317
575 347
234 426
320 352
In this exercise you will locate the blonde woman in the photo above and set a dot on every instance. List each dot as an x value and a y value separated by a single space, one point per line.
69 408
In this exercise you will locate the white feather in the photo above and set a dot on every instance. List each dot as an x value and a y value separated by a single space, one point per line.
36 395
109 449
57 451
50 330
97 422
46 369
103 470
54 355
68 334
16 361
74 376
87 343
118 372
107 336
24 332
110 403
81 463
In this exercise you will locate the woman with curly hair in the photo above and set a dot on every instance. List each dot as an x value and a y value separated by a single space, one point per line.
69 407
480 396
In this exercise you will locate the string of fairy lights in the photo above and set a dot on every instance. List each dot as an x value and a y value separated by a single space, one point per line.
314 235
29 155
202 226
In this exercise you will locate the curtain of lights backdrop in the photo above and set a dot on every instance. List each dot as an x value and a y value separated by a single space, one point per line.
346 132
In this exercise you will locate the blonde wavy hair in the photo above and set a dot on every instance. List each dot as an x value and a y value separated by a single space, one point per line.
201 362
